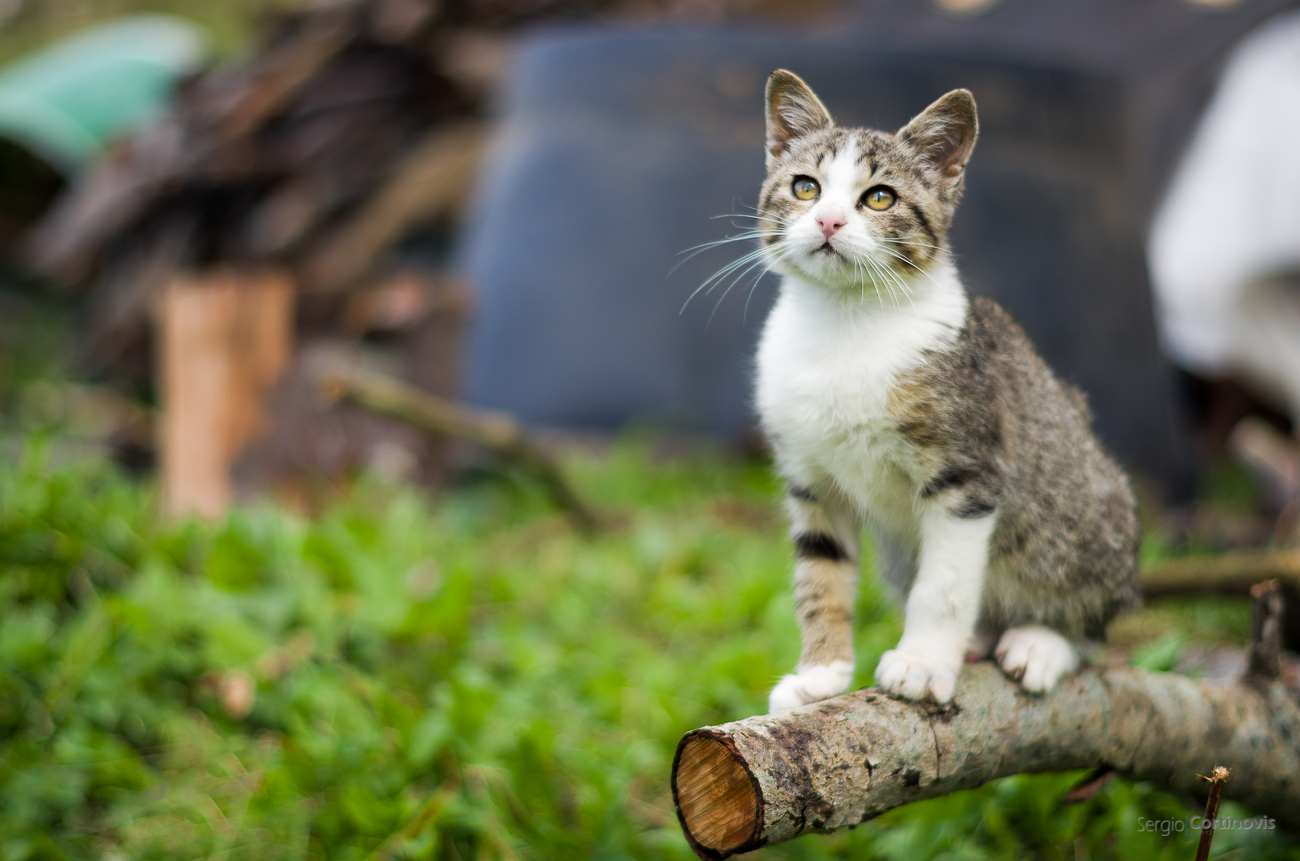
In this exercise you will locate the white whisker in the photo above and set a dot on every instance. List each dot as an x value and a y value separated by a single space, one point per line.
714 279
733 283
910 265
887 241
705 246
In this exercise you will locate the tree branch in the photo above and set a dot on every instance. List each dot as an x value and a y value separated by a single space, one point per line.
1229 572
834 764
497 432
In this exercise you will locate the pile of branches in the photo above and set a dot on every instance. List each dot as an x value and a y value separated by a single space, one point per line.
341 154
353 123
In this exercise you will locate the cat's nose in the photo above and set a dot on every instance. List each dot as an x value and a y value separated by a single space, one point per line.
830 221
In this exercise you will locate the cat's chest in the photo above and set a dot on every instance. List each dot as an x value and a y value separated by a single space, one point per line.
826 391
826 381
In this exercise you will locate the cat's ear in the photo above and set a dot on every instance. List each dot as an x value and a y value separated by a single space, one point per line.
793 110
945 132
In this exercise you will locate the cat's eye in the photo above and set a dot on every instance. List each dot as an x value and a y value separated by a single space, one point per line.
805 187
879 197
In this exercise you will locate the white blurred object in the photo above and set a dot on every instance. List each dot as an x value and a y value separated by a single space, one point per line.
1225 244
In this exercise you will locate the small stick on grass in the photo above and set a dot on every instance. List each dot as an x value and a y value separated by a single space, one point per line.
496 432
1216 781
1085 789
1265 661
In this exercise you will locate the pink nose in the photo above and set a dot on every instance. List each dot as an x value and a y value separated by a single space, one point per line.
830 222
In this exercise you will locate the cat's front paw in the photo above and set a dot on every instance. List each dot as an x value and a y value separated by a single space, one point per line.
917 677
810 684
1037 656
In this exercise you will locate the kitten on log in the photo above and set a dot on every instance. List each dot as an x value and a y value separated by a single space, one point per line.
894 400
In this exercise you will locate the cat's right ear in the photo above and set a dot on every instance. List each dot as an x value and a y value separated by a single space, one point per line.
793 110
945 133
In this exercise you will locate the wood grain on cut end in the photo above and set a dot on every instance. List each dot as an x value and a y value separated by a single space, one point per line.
716 795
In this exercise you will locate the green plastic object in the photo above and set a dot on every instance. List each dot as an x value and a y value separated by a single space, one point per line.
69 101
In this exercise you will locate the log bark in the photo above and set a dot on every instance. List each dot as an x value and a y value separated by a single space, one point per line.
840 762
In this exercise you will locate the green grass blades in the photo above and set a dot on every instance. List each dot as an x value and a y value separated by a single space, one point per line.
461 678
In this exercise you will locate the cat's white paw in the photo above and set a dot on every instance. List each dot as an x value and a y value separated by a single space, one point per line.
809 685
1037 656
917 677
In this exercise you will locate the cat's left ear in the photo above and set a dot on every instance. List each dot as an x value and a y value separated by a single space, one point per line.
945 132
793 110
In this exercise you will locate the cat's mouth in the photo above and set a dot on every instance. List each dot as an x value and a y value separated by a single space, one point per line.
826 246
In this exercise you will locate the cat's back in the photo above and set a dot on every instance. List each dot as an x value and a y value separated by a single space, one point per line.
1044 424
1067 517
990 390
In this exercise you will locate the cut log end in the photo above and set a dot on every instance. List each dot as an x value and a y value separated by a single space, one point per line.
717 798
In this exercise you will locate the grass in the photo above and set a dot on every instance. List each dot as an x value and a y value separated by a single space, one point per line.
460 677
456 677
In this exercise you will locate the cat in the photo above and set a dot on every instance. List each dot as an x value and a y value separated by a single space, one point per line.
894 400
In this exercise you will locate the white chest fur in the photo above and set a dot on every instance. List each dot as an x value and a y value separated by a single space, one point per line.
826 367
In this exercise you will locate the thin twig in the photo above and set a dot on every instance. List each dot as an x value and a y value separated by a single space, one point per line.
1217 781
497 432
1085 789
1227 573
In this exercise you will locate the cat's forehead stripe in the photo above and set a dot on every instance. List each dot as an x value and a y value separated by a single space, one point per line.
842 173
870 146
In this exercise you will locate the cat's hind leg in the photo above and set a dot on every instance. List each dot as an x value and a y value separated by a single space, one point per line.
1037 656
982 644
825 585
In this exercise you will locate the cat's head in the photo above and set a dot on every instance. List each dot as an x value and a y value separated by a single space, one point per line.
844 207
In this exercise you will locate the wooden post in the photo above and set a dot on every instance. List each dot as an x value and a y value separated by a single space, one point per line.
225 337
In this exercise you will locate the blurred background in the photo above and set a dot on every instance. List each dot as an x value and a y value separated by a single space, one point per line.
492 202
359 411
